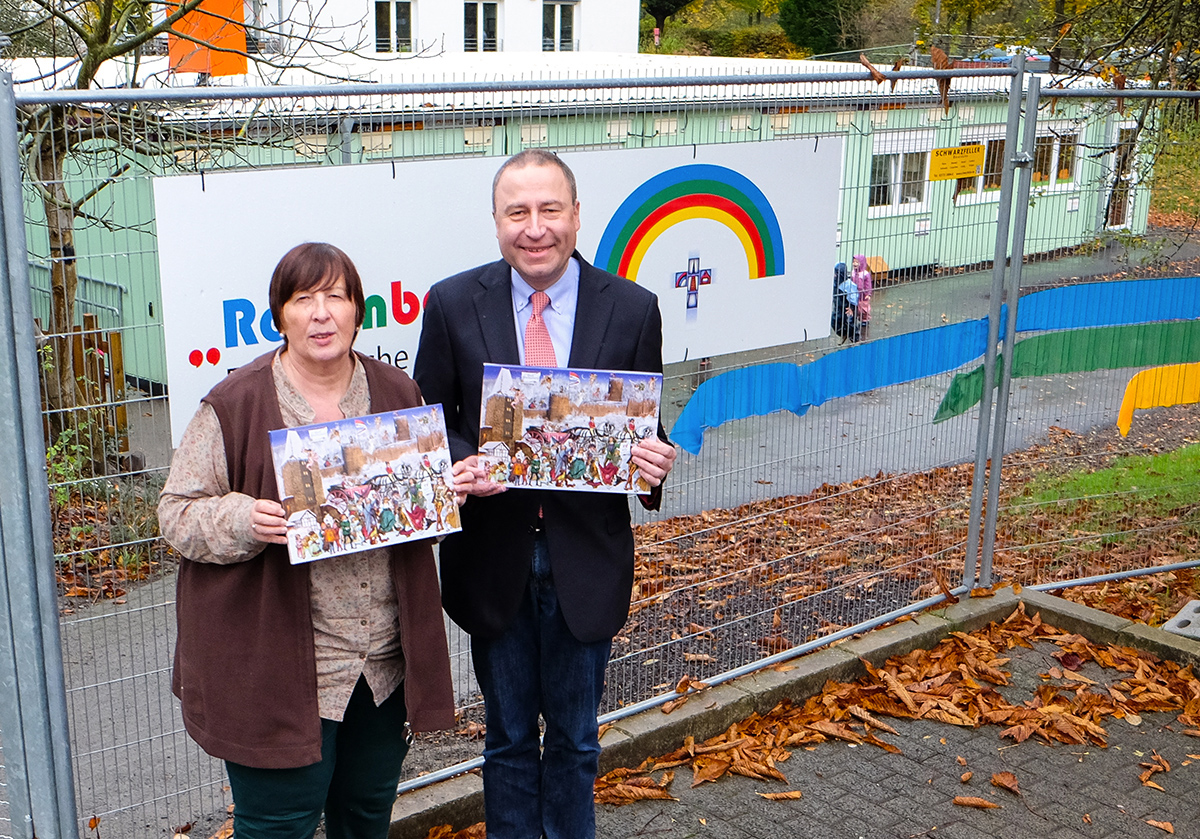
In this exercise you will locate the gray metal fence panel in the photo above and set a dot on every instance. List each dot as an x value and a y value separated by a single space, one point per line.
37 767
786 530
1101 494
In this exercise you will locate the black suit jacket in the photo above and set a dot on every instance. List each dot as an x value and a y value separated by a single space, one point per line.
469 321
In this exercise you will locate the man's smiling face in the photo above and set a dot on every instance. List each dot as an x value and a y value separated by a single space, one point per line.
536 222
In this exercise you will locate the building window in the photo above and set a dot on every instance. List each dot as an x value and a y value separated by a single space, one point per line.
988 181
479 27
618 129
898 179
389 38
1123 177
664 126
1054 159
558 27
899 173
535 134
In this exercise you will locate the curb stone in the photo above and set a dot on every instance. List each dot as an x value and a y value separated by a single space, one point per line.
459 801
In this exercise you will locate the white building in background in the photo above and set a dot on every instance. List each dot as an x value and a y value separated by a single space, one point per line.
432 27
325 41
500 26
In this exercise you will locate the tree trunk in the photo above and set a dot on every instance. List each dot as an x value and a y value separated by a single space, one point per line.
1060 10
64 277
65 382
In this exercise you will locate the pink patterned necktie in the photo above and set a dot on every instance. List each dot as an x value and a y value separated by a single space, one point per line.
539 349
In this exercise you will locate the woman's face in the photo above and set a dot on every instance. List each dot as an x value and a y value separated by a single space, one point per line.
319 324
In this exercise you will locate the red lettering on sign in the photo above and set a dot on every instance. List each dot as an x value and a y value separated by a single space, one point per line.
405 305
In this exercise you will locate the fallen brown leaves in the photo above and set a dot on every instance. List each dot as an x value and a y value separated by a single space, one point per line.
445 831
1006 780
98 539
623 788
472 730
764 563
976 802
225 831
695 574
953 683
1157 763
684 689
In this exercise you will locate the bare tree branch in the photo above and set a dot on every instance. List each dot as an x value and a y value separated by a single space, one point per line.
98 188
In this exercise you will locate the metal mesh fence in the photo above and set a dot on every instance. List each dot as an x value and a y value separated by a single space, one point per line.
1094 485
786 527
6 830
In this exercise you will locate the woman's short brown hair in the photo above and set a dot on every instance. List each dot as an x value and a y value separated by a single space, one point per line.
314 266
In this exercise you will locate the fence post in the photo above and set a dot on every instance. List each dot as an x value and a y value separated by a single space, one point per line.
33 708
1021 160
1000 254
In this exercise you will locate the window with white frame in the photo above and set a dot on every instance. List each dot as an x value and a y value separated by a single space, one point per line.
393 26
899 173
1123 176
987 183
1055 155
480 27
558 27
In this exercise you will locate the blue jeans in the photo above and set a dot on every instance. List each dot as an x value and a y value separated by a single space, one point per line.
355 782
537 666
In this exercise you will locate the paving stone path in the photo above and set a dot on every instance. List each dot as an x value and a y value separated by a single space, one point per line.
863 792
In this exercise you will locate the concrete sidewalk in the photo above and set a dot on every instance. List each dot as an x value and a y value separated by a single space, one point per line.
862 791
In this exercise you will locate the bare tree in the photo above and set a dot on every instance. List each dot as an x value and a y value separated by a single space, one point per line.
1157 40
112 139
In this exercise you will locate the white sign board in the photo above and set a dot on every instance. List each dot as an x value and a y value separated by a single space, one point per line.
737 241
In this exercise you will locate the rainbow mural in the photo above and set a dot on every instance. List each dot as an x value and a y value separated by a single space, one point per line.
697 191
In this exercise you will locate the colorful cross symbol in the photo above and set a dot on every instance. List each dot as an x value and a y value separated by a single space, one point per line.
693 278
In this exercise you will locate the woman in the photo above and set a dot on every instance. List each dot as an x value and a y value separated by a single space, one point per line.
862 279
303 678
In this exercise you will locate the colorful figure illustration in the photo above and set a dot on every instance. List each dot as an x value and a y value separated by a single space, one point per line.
365 482
550 428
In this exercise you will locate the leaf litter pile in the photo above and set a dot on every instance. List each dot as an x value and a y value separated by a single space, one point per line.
956 683
726 587
104 535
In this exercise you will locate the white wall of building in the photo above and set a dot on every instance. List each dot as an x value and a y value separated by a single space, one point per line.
608 25
437 22
599 25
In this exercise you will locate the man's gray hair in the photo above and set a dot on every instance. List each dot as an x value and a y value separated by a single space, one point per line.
536 157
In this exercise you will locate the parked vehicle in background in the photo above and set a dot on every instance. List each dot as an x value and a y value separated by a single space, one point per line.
999 56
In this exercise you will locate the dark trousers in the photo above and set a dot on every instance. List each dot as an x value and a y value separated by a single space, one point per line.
538 667
354 784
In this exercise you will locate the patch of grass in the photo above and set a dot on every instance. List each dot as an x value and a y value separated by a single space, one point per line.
1175 188
1159 485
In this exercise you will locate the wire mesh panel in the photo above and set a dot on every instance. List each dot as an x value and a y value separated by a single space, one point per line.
6 831
825 482
848 502
1097 481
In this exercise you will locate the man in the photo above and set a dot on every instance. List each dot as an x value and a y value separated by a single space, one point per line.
540 579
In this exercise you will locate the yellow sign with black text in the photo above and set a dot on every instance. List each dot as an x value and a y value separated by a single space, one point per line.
956 162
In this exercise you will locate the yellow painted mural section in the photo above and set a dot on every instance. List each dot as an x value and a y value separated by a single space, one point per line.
1174 384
